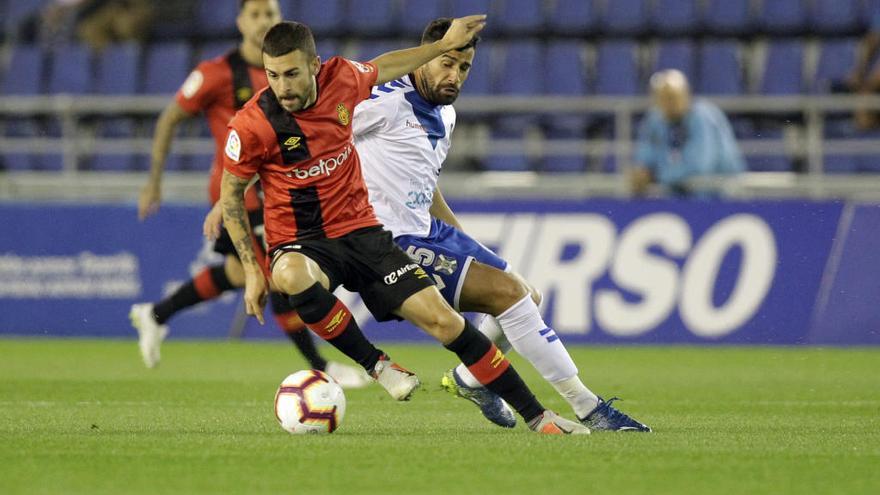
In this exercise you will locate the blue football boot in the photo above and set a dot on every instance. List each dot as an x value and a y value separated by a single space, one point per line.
606 418
490 404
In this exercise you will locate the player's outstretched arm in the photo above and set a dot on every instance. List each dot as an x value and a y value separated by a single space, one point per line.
399 63
440 209
151 194
235 219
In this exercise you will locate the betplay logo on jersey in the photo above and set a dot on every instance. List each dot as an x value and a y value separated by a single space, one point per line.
233 146
324 167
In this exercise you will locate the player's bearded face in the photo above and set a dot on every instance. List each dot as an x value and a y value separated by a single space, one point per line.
256 17
443 77
292 79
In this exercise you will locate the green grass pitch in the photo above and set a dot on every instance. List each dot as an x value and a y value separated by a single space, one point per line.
85 417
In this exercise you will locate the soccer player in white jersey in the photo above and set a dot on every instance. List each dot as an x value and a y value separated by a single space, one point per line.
402 134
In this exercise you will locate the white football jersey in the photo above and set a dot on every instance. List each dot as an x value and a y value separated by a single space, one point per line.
402 140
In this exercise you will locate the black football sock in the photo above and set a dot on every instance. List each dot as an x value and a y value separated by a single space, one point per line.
491 368
331 320
207 285
295 329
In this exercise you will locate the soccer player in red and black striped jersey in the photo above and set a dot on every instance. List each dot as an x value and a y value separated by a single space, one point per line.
218 88
321 230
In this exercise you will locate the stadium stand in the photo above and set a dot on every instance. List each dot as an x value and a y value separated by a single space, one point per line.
567 48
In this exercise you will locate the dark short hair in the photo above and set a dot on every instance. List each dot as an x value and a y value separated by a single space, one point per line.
437 29
288 36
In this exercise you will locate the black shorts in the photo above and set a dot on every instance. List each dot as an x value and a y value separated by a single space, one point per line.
368 262
224 246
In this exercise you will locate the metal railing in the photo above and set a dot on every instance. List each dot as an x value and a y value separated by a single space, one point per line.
809 142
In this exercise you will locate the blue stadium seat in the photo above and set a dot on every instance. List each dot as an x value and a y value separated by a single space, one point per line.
676 54
167 66
836 59
572 16
461 8
617 72
520 71
728 17
27 77
783 68
19 128
416 14
198 163
626 17
327 48
835 16
214 49
840 164
118 70
70 70
565 70
720 72
215 18
367 50
373 17
322 16
519 17
109 129
479 79
565 73
675 17
783 16
17 11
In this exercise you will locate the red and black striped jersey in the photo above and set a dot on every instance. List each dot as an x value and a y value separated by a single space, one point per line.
308 166
218 87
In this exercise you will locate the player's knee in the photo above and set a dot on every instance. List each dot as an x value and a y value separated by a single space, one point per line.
506 294
443 325
289 281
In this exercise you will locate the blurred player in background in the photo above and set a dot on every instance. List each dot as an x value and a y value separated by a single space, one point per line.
218 87
297 137
403 133
680 139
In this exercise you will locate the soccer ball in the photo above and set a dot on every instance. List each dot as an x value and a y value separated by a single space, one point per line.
309 401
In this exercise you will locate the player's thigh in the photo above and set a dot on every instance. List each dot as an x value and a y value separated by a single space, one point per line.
428 310
234 271
294 272
487 289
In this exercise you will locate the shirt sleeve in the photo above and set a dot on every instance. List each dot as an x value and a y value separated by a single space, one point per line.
367 118
365 74
199 90
243 154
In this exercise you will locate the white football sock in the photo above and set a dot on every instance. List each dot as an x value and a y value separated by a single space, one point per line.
534 340
582 399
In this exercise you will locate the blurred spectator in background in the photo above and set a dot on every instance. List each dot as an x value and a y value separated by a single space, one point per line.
680 139
865 78
96 22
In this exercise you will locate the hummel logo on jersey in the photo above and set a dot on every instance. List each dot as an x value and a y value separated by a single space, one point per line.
324 167
292 142
394 276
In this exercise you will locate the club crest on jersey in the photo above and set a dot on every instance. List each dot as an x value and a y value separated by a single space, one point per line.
292 142
343 114
233 146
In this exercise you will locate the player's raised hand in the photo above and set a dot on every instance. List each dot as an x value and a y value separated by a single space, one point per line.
255 294
462 30
213 222
149 200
